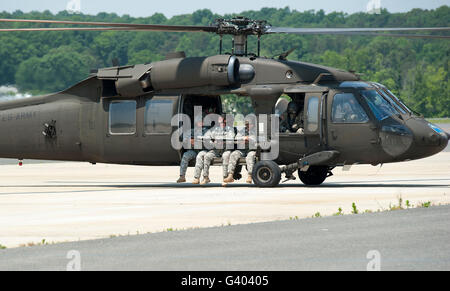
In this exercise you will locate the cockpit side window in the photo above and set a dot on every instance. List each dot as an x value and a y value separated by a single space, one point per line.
313 114
346 109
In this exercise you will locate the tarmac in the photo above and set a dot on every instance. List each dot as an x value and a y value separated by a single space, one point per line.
62 202
412 240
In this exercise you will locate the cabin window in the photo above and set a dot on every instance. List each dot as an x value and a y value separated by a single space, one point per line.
313 114
158 116
122 117
346 109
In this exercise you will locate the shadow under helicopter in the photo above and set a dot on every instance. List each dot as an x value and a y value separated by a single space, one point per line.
121 187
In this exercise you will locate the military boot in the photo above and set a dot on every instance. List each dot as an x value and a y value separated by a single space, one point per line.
249 179
196 181
182 179
205 181
229 179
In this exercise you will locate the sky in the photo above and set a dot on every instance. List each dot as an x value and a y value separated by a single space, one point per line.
144 8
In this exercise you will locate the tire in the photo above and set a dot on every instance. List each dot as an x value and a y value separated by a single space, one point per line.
315 175
266 174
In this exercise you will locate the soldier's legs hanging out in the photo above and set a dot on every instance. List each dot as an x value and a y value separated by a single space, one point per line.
185 160
208 159
234 160
250 161
225 161
199 162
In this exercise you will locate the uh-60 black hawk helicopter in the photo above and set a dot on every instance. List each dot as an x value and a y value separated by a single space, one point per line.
123 114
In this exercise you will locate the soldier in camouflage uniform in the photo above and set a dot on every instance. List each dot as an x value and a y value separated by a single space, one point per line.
205 158
190 153
292 120
249 153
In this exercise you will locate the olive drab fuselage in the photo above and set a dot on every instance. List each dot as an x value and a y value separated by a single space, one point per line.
76 124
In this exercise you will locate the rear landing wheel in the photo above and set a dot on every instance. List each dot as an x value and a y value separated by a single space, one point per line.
266 174
315 175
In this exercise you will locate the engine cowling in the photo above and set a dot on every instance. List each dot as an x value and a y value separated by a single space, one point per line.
176 73
195 72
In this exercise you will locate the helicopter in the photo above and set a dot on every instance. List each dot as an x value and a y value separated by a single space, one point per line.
122 114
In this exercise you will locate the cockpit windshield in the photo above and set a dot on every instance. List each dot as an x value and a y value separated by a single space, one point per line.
380 107
399 105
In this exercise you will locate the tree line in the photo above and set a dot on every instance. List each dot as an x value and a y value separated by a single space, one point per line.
414 69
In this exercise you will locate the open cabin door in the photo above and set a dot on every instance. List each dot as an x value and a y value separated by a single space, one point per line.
295 145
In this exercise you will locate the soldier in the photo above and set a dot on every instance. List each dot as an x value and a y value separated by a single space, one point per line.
293 122
205 158
249 153
190 153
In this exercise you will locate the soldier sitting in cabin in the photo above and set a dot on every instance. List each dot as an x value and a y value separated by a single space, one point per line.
292 120
217 136
249 138
190 152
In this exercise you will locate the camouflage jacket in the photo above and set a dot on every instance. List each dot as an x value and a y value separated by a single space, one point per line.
290 125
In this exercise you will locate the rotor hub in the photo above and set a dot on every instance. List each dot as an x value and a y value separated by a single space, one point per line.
240 28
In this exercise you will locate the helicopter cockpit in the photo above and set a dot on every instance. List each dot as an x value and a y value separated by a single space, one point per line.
382 102
402 134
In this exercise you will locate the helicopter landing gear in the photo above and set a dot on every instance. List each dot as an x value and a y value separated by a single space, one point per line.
266 174
315 175
309 170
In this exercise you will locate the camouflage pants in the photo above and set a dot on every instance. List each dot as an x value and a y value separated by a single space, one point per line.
234 159
203 162
209 157
249 159
187 157
225 161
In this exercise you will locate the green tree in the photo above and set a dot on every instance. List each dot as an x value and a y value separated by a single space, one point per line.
55 71
414 69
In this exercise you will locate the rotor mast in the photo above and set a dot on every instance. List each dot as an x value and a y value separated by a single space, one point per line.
240 28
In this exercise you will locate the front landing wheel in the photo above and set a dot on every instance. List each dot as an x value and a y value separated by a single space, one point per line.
266 174
315 175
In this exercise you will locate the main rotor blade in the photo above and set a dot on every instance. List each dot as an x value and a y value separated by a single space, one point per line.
128 26
350 30
427 36
71 29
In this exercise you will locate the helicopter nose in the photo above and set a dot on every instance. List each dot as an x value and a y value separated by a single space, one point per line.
448 138
429 139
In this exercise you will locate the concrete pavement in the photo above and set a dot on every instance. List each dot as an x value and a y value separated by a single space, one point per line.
415 239
77 201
